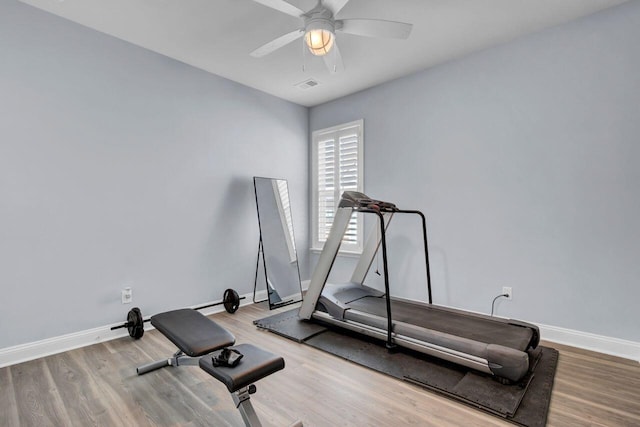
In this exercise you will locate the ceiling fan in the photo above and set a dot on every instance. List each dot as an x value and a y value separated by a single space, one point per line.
320 27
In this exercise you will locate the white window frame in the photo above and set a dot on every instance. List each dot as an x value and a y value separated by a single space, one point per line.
316 137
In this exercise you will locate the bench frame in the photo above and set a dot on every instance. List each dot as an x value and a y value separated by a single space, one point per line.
178 359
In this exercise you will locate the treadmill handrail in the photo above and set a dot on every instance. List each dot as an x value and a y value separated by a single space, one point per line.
350 202
385 267
379 211
394 210
426 246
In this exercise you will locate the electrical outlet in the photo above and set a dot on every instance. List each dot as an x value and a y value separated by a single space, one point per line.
508 291
127 296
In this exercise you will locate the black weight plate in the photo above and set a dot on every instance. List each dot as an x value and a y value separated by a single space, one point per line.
135 323
140 332
231 300
140 326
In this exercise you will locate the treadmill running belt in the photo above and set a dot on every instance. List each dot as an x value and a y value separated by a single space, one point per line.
431 317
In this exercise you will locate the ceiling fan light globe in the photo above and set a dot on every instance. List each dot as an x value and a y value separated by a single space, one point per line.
319 41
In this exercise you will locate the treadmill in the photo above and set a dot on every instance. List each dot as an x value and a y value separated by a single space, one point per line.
496 346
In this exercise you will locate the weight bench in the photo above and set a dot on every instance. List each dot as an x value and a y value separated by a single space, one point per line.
200 340
193 333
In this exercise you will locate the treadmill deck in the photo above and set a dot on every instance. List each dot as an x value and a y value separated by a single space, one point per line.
473 327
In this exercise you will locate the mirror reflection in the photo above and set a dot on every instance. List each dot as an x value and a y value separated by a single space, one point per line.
277 247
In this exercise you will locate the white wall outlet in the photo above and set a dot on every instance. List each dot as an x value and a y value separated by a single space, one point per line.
127 296
506 290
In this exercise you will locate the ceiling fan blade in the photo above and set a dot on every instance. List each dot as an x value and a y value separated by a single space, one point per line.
277 43
334 6
375 28
333 60
282 6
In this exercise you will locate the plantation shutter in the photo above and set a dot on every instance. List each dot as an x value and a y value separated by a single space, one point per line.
338 168
348 160
327 189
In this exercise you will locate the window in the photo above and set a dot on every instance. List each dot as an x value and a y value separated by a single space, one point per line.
337 167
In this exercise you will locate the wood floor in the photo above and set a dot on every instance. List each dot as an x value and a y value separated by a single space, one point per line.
98 386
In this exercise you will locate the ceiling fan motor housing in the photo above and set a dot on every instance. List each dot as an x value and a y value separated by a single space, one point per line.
319 27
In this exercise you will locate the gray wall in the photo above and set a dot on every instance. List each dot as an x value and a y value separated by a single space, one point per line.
525 159
120 167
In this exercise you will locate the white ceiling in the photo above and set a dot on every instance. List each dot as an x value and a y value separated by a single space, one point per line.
218 35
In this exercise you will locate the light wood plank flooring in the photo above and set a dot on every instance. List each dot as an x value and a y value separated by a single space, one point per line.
98 385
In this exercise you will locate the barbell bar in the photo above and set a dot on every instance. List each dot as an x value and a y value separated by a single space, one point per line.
135 322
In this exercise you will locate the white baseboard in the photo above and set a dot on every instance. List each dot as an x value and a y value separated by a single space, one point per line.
35 350
30 351
599 343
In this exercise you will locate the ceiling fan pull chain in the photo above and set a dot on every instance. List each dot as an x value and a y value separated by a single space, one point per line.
304 56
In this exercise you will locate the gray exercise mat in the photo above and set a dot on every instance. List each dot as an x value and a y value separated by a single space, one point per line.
526 403
289 326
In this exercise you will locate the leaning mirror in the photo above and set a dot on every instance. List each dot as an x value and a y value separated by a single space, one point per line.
277 247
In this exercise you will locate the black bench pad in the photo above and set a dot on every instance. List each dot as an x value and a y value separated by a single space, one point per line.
192 332
255 364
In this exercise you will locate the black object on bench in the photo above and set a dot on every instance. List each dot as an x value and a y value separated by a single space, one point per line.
193 333
255 364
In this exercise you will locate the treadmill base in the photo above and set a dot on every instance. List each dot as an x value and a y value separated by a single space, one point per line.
527 406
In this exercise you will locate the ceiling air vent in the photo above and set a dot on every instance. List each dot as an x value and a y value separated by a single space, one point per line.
307 84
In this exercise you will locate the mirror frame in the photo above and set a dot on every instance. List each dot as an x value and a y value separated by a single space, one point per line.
274 299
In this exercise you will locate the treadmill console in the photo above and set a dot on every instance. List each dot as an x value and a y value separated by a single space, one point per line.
355 199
